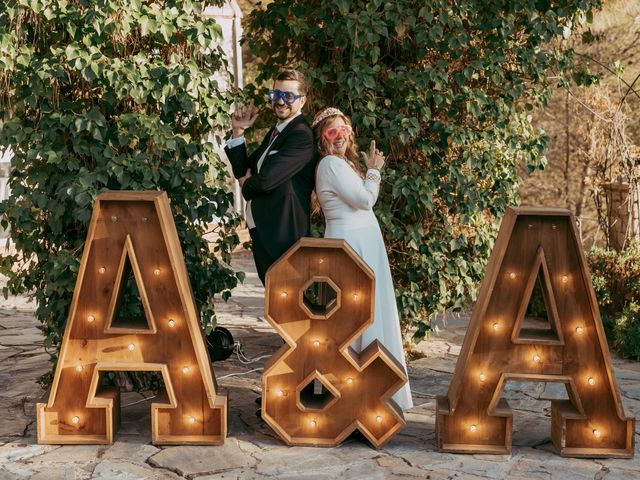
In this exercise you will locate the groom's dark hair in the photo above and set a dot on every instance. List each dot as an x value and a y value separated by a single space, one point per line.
294 75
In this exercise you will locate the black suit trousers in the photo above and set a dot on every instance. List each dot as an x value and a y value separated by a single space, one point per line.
261 256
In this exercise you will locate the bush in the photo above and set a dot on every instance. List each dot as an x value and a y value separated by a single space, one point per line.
109 95
616 281
445 88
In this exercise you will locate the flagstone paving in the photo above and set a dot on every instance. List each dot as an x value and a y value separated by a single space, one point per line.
252 450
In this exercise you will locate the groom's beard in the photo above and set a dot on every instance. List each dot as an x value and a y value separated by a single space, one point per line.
283 111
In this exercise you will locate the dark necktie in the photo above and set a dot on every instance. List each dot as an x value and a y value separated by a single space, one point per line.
274 134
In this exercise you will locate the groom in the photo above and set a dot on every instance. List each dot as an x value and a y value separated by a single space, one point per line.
278 178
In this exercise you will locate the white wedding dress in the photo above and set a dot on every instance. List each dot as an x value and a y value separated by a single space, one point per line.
347 202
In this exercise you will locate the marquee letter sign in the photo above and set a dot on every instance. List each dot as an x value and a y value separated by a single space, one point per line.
316 390
507 341
133 234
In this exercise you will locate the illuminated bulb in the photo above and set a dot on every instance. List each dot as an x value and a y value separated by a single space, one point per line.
281 393
554 227
530 226
191 420
283 294
313 423
495 326
321 260
75 420
482 377
316 343
565 279
114 219
512 275
379 419
171 323
144 219
591 381
349 380
78 368
536 358
596 433
131 346
90 318
101 270
473 428
355 296
156 272
185 370
579 330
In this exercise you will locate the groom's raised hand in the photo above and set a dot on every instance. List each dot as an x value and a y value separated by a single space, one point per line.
243 118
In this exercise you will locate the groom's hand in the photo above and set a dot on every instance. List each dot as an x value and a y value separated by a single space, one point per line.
243 118
241 180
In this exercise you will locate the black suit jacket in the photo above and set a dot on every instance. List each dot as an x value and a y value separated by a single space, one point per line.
280 193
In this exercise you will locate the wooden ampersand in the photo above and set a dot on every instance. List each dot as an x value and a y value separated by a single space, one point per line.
316 389
505 342
133 233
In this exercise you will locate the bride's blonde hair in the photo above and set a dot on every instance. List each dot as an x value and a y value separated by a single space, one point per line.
324 146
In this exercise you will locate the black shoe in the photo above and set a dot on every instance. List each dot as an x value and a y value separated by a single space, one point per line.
258 400
259 413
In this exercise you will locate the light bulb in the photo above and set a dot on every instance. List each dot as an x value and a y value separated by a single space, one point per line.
565 278
495 326
321 260
75 420
536 358
313 423
131 346
379 419
355 296
281 393
591 381
191 420
144 219
156 272
114 219
473 428
171 323
185 370
554 227
101 270
482 377
529 226
78 368
512 275
316 343
596 433
90 318
283 294
579 330
349 380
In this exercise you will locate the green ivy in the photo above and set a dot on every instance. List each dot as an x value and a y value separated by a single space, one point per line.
110 95
445 88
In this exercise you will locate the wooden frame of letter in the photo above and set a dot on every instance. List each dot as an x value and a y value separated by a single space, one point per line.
316 390
543 244
133 233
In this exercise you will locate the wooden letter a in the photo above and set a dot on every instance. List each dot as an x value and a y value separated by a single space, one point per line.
536 246
133 234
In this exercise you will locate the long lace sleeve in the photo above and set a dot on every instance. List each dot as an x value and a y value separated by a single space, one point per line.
353 190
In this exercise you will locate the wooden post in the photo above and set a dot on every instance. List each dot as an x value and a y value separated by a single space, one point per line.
473 418
316 390
133 231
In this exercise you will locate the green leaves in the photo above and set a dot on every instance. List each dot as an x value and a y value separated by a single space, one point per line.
93 99
444 88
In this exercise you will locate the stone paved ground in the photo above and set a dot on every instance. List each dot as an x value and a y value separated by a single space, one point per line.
251 449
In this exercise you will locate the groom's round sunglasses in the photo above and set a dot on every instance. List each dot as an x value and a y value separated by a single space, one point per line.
287 97
331 133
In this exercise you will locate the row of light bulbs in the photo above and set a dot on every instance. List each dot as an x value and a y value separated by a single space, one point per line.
473 428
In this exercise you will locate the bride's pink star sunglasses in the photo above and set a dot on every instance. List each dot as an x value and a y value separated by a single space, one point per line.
331 133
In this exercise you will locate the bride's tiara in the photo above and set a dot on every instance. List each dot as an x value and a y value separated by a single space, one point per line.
327 112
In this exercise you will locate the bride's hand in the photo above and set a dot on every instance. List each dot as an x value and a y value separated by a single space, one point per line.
375 159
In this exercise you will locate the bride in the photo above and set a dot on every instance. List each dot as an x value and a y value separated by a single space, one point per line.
347 195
